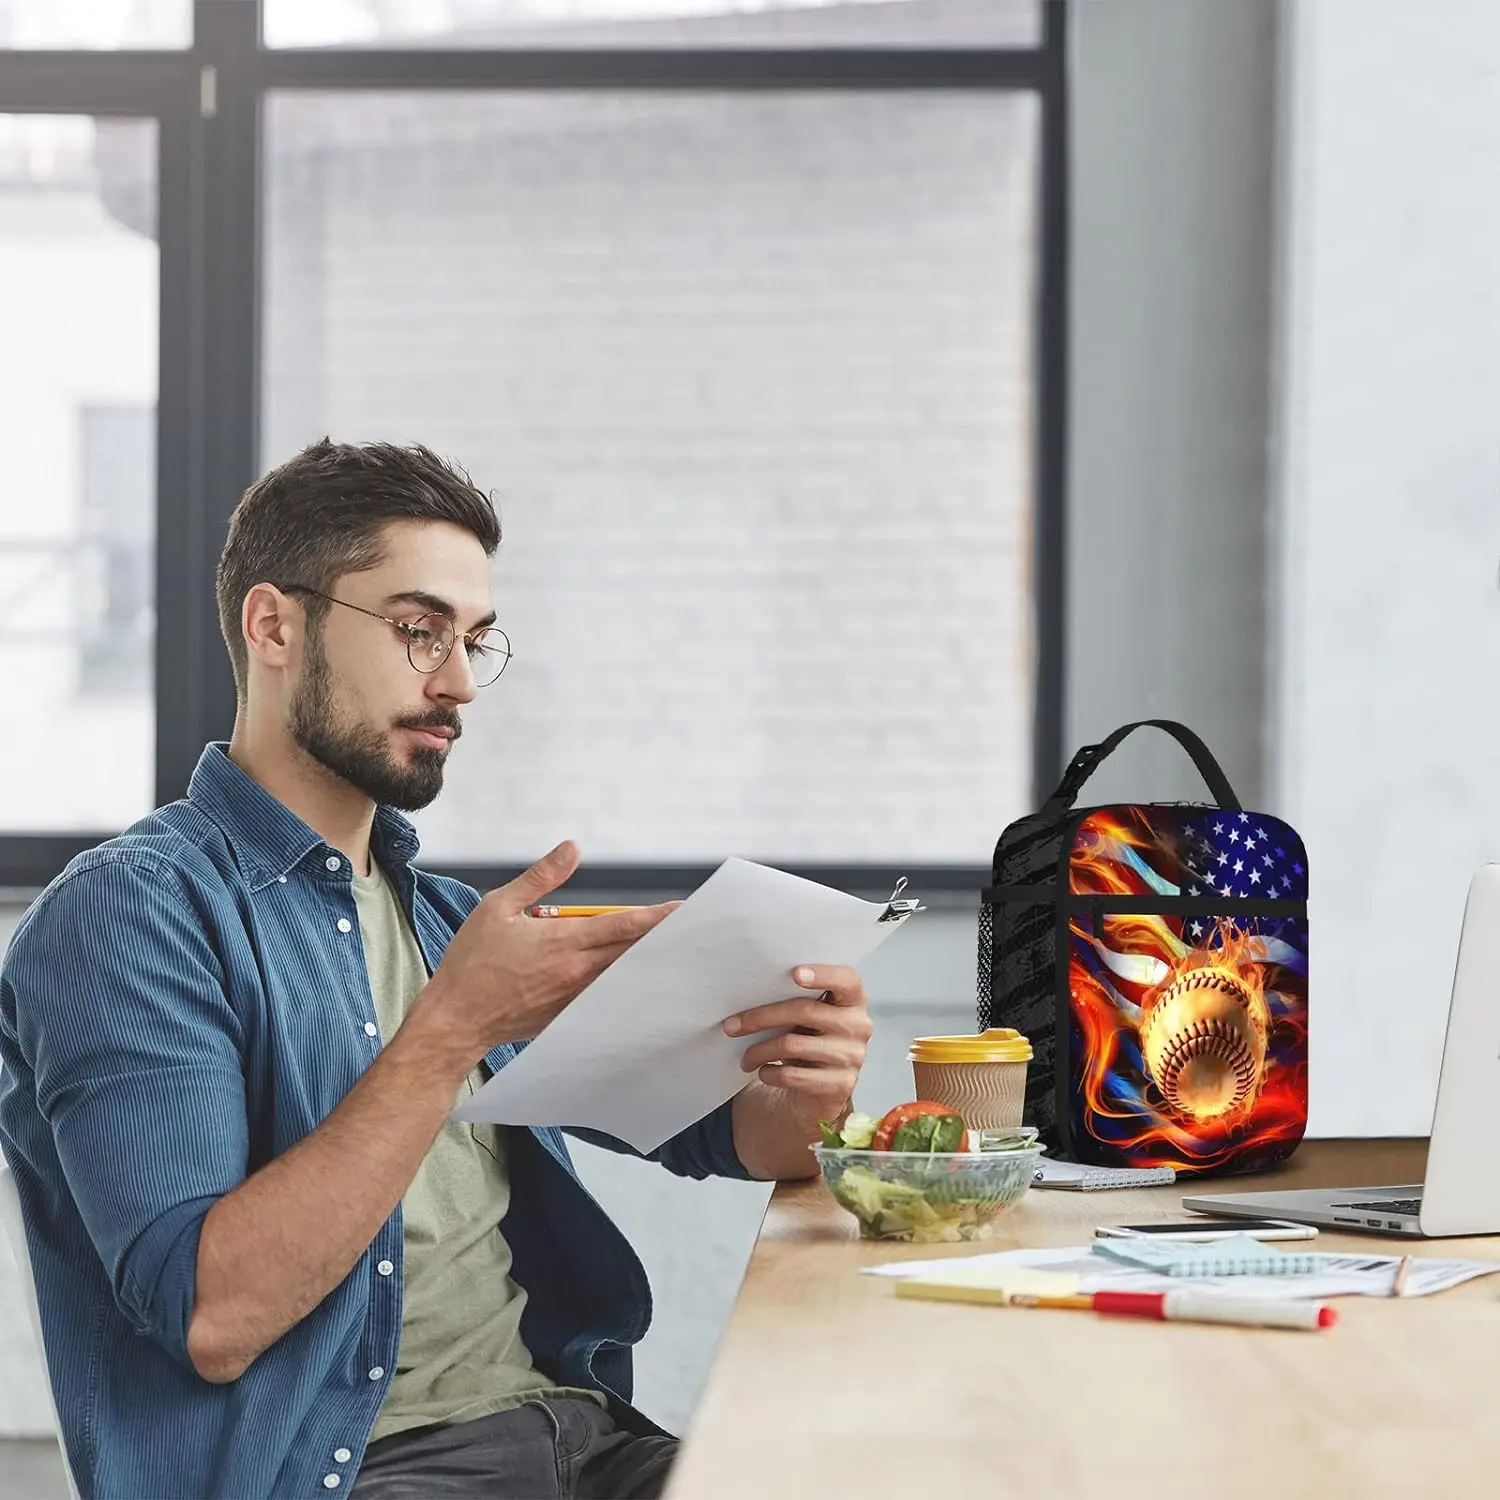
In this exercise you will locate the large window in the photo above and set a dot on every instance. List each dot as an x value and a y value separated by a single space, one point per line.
96 24
78 380
652 23
751 377
749 312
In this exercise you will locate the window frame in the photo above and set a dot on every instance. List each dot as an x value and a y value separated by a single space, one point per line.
208 102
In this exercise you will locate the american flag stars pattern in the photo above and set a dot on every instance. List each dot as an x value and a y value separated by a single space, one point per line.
1239 856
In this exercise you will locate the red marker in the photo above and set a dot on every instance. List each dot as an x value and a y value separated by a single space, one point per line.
1178 1306
1197 1307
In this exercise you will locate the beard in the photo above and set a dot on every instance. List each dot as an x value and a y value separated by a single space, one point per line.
359 753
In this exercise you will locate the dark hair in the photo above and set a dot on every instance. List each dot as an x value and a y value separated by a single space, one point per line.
320 515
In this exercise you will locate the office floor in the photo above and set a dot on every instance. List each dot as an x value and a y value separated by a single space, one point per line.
31 1469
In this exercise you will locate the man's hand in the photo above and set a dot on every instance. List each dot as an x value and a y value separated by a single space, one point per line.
808 1073
506 975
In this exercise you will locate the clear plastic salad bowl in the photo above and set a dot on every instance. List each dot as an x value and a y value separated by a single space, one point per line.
928 1197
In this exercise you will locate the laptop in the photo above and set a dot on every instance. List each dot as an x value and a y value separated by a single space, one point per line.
1461 1193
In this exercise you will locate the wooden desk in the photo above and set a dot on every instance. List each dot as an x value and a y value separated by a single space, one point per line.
826 1386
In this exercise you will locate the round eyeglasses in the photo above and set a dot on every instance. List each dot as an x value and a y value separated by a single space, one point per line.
430 639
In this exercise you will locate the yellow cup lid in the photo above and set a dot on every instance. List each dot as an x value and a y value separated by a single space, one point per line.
998 1044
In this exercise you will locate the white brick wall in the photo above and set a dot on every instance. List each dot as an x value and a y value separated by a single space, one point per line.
751 378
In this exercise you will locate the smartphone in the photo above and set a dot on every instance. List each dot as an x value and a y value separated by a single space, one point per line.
1203 1231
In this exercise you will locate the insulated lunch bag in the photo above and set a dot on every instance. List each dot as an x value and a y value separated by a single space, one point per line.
1156 956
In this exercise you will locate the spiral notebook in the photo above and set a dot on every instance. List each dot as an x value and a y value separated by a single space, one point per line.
1080 1178
1240 1255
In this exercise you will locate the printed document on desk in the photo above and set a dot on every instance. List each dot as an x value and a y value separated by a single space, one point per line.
641 1053
1337 1275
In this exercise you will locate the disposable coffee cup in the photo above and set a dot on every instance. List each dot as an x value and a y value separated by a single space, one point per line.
981 1077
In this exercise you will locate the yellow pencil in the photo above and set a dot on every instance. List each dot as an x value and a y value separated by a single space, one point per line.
575 911
947 1291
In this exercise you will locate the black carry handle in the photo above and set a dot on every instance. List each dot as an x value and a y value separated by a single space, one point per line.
1086 762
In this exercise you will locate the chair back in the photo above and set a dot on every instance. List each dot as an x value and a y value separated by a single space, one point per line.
10 1216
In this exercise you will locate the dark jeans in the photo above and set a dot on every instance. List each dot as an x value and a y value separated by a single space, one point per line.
544 1450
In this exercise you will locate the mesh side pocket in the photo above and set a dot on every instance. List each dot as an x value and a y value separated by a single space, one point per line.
984 988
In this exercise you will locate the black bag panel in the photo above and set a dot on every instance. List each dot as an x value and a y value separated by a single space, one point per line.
1018 950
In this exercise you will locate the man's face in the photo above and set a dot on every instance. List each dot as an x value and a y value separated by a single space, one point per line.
359 707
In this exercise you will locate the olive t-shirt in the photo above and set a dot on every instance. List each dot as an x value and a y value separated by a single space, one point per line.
461 1353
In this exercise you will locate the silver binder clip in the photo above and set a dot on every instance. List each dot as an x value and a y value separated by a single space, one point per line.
895 910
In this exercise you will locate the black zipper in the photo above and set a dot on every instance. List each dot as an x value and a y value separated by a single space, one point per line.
1187 906
1155 906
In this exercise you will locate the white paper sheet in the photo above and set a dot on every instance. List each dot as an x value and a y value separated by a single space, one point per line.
1338 1276
641 1053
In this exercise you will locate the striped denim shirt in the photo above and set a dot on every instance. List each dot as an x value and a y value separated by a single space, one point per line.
183 1004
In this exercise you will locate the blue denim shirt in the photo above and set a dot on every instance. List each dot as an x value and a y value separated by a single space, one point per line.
183 1004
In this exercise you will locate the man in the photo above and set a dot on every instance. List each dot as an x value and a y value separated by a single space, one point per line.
267 1263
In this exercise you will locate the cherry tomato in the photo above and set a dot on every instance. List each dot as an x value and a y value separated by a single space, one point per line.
892 1121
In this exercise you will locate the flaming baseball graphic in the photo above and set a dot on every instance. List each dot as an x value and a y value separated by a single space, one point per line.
1204 1032
1188 1033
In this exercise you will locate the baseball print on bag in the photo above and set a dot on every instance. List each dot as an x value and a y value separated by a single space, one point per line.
1187 1037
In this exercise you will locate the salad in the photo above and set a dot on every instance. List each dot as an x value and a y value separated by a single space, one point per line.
919 1173
919 1126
